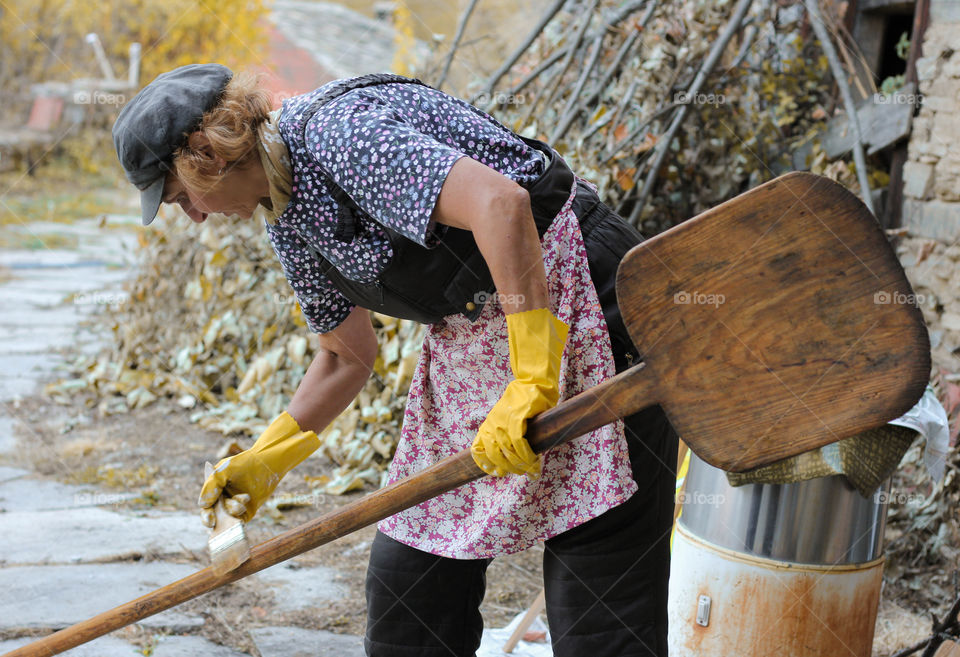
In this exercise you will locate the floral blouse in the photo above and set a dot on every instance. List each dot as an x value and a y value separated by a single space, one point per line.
390 147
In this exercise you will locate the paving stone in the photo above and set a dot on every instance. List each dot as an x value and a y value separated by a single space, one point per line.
192 646
933 219
19 258
21 298
21 374
87 534
298 642
35 494
105 646
7 440
36 339
917 179
298 588
54 597
12 313
63 283
7 473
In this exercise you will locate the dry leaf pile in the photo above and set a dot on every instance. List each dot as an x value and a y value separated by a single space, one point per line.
606 82
211 322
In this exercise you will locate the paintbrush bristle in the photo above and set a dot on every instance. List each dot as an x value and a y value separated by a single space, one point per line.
229 549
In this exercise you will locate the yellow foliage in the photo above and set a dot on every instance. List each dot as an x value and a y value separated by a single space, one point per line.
43 40
404 54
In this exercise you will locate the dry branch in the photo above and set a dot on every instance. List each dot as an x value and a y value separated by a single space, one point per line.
839 74
461 27
663 144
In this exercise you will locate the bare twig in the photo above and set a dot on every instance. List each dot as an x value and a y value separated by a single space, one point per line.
609 25
574 46
949 621
637 131
522 48
932 642
749 34
461 27
625 49
912 649
663 144
839 74
621 106
541 67
624 12
573 108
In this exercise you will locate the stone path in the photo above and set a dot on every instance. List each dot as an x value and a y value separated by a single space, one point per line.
340 40
69 552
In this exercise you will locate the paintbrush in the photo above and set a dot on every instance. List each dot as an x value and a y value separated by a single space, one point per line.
228 540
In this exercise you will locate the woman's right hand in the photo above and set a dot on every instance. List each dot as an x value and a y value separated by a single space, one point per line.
246 480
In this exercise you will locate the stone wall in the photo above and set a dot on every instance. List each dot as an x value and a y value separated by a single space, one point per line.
933 268
930 252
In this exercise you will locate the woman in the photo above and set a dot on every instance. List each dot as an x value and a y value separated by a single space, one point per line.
382 193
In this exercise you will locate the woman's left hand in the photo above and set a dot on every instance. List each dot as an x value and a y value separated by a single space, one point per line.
536 346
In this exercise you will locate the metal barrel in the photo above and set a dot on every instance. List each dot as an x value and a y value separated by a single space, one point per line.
820 521
792 569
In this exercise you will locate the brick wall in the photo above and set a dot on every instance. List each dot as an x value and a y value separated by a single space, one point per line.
930 252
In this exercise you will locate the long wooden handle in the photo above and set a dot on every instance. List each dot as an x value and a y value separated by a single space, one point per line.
622 395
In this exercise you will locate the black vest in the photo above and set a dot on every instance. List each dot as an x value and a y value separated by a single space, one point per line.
427 284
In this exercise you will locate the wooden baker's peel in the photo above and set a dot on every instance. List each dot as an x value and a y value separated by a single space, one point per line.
775 323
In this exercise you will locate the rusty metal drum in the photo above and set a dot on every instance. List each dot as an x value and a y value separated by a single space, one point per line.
788 569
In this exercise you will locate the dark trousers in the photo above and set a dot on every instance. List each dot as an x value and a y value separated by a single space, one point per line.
606 580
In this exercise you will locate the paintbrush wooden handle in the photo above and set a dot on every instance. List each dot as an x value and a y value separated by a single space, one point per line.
624 394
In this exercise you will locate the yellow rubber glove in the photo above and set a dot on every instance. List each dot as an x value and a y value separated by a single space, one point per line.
247 479
536 340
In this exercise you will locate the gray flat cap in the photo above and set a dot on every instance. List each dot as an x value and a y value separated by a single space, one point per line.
156 122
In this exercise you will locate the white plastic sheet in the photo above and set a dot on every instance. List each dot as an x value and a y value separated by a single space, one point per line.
492 643
929 418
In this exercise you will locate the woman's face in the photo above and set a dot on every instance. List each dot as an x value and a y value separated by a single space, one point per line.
237 192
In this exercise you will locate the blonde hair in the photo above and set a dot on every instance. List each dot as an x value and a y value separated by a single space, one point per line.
231 126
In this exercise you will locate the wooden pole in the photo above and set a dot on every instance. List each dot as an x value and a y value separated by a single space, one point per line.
619 396
538 605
